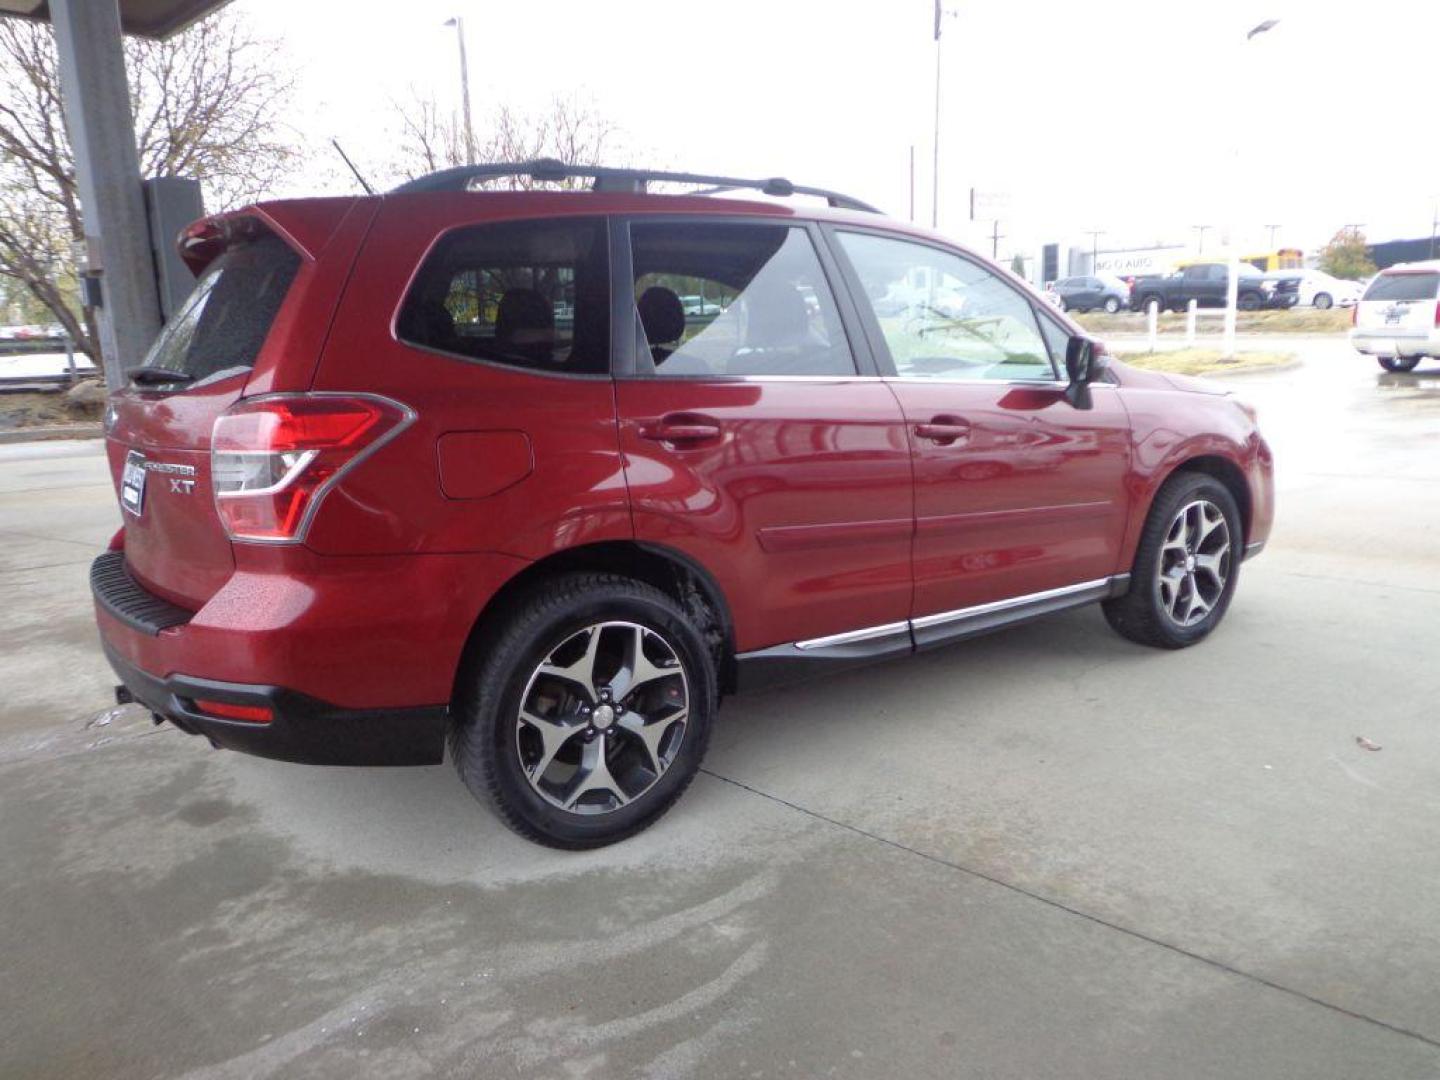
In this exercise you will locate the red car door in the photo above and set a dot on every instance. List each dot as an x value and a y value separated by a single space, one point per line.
753 442
1018 494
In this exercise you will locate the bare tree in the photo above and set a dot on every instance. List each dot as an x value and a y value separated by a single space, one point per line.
206 104
569 129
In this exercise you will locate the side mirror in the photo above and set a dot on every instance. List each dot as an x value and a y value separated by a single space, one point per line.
1084 363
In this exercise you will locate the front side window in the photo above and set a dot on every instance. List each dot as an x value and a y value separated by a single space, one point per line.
945 317
529 294
734 299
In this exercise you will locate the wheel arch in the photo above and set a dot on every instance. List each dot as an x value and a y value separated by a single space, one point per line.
677 575
1228 473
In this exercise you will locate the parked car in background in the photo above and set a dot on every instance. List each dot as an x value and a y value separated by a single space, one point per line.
378 501
1206 284
1093 291
1315 288
1397 321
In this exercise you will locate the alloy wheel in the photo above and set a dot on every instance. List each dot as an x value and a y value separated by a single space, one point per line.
1194 563
602 717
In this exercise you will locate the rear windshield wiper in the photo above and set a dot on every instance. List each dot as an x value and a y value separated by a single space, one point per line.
151 376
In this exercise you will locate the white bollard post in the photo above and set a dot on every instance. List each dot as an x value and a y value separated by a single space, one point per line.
1152 317
1190 322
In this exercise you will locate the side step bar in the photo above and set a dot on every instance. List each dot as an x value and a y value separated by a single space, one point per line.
800 659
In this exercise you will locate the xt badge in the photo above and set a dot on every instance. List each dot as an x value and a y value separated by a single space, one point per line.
181 487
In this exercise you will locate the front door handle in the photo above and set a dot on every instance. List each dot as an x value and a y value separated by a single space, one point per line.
681 429
944 430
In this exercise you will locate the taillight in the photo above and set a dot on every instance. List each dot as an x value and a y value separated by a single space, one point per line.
1437 313
274 458
1354 312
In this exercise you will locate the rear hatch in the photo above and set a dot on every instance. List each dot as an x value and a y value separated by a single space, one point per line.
1400 303
240 325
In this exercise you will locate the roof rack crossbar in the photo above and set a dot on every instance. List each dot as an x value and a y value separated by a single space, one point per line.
608 179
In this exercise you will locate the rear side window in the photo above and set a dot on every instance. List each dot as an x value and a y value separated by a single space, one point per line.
528 294
1403 287
734 299
219 330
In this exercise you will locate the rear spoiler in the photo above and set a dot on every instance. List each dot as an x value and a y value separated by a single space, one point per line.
304 224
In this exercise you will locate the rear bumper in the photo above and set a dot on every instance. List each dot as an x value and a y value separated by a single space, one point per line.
1377 342
303 729
356 656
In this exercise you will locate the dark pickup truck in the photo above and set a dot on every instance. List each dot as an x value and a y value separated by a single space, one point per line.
1203 282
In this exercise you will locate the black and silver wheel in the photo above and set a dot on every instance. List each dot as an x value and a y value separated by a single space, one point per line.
1248 302
1186 566
1112 305
1324 301
1399 363
589 712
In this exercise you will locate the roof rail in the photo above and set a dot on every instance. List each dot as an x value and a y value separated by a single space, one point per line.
607 179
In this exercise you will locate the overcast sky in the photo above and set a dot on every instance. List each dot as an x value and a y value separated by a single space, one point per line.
1126 117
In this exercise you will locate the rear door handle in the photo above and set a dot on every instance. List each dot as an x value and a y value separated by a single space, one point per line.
944 430
681 429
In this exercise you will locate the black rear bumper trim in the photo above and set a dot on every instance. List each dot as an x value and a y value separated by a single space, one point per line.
304 729
121 596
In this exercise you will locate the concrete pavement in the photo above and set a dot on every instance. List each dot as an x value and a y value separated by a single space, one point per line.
1045 853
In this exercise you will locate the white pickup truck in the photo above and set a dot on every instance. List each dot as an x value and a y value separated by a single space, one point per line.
1397 321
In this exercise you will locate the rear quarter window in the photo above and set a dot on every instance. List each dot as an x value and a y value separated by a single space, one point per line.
527 294
223 323
1404 287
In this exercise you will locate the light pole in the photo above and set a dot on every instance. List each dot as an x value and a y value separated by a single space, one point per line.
1202 230
1232 282
459 24
1095 235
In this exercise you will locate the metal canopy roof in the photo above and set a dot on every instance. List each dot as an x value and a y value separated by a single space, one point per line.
142 18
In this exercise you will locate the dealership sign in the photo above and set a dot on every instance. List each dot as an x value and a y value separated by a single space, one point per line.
1140 261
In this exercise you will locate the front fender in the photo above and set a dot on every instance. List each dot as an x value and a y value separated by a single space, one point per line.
1171 429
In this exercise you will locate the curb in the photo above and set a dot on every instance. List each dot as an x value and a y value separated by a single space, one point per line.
1289 365
44 434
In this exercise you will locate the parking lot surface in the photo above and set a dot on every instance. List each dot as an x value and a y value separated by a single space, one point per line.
1044 853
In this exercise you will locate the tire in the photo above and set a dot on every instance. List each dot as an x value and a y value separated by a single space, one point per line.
1248 302
1399 363
1149 613
1063 305
1112 305
1146 301
532 772
1324 301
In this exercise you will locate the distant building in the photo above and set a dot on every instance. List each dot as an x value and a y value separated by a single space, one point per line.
1402 251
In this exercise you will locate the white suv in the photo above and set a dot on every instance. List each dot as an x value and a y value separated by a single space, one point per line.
1397 321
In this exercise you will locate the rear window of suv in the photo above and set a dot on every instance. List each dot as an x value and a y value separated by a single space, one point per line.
1403 287
220 328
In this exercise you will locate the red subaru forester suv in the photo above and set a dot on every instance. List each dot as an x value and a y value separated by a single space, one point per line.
544 474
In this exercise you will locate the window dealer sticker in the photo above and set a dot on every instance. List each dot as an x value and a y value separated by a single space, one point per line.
132 483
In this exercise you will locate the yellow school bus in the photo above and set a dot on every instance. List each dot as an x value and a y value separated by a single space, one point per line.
1280 259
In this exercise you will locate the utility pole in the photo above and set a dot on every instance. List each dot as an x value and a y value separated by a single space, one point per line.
1202 230
912 181
459 24
995 237
1273 230
935 166
1094 235
1434 225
